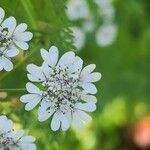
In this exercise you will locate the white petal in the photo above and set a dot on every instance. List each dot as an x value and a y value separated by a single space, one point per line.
45 56
93 77
88 98
90 107
16 147
36 72
77 121
25 36
84 116
9 23
96 76
17 135
46 69
2 14
32 100
5 124
1 64
77 64
20 28
87 70
53 55
12 52
65 121
31 88
33 104
26 146
50 57
55 123
67 59
8 126
7 64
3 117
28 97
89 88
22 45
33 78
44 112
27 139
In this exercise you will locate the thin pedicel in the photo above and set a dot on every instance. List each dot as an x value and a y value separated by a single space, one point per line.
15 89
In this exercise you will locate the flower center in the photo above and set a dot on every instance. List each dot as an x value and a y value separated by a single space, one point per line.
1 53
62 89
6 142
5 40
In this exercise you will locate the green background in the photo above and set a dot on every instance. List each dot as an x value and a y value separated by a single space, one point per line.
123 92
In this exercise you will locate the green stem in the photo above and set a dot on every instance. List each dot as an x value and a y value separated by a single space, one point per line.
29 9
16 89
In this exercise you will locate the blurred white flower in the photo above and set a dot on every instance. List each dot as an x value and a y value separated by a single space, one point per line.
77 9
79 37
103 3
88 25
12 38
11 140
65 90
108 13
106 10
106 34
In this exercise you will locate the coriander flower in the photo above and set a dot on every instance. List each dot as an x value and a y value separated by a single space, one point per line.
12 38
5 58
106 34
103 3
89 25
65 91
14 140
79 37
106 10
77 9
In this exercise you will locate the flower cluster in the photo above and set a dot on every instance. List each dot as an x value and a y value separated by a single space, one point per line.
79 37
106 33
12 37
14 140
65 89
78 10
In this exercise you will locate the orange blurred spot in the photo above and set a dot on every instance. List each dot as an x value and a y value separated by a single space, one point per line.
141 133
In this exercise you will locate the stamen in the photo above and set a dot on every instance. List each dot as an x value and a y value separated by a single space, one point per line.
62 86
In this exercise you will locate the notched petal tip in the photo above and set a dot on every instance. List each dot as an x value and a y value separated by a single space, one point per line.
9 23
2 14
31 88
53 48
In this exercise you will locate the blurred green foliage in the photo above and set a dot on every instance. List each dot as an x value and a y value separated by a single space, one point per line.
124 91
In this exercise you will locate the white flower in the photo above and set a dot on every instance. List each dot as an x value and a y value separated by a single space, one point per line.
79 37
88 25
77 9
66 89
5 58
12 37
108 13
87 77
106 10
103 3
11 140
106 35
